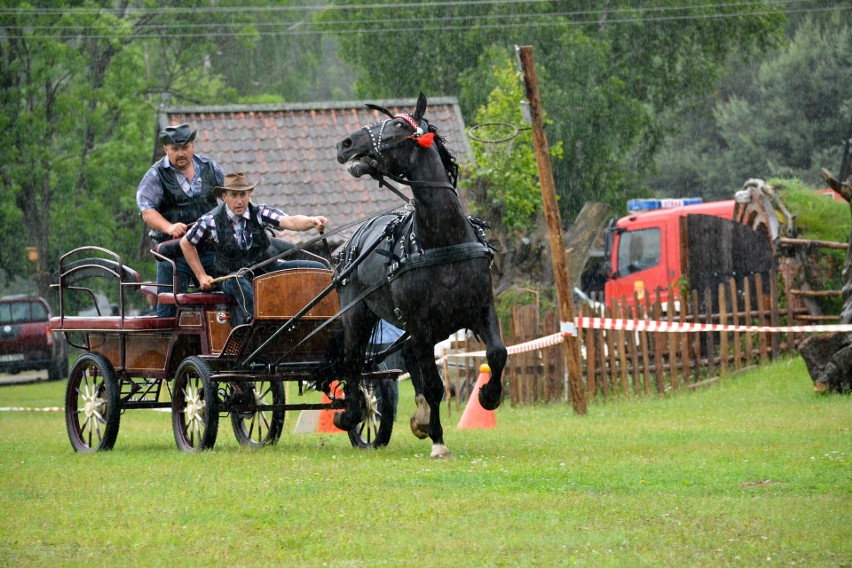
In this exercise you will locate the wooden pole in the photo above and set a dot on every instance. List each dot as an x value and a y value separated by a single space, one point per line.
554 230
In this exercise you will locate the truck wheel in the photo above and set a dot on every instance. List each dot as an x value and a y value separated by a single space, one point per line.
195 406
92 411
255 427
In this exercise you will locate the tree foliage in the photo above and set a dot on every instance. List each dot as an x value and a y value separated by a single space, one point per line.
785 117
80 89
503 180
611 69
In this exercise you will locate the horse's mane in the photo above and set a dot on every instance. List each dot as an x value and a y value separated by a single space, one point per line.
448 158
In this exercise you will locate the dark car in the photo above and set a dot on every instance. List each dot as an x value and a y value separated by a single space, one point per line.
26 340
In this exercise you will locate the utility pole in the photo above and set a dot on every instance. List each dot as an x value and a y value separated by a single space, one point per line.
571 347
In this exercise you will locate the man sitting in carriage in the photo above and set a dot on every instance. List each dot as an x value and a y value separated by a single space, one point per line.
237 230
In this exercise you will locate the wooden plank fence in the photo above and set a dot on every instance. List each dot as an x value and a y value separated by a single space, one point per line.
620 363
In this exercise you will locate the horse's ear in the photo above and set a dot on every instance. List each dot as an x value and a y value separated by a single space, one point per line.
421 107
382 110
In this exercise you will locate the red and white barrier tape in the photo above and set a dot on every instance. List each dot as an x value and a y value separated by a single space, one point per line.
648 325
684 327
32 409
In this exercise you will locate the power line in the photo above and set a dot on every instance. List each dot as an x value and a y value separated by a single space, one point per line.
293 31
450 18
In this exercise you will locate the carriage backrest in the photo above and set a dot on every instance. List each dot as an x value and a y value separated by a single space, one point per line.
283 294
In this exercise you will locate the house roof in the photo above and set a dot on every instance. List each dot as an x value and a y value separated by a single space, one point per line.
290 150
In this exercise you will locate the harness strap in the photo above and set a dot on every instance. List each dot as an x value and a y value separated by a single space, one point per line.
443 255
431 257
322 237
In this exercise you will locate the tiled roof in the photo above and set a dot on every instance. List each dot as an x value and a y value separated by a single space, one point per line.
290 150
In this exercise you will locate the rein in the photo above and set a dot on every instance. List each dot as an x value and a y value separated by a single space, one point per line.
322 237
384 173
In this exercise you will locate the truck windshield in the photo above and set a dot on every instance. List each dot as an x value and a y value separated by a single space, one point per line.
638 250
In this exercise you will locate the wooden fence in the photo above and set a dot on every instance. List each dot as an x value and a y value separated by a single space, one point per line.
627 363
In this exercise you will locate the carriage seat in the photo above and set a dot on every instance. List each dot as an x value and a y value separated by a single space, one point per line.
111 323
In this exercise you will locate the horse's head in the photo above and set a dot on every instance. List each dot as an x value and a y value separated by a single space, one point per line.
386 145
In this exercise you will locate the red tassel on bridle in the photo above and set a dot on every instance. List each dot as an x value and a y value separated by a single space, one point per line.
425 140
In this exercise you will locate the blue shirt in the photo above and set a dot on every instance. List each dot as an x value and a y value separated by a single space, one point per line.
386 333
149 194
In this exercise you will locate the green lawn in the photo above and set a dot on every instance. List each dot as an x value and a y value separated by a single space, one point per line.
750 471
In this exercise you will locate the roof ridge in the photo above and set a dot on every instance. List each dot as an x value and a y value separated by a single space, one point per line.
278 107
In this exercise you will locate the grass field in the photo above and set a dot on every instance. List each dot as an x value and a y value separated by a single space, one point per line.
751 471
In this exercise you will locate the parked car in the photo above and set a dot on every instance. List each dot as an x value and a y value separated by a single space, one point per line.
26 340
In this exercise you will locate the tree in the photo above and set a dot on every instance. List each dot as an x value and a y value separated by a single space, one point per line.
784 117
79 88
611 70
503 179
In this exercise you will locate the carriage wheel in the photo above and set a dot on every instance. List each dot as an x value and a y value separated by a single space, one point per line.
92 411
381 398
256 428
195 406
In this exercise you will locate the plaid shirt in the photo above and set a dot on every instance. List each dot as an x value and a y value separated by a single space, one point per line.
205 228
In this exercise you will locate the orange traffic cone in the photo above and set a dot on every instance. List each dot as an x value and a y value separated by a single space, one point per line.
326 417
474 416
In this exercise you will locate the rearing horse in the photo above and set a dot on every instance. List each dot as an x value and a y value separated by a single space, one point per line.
430 275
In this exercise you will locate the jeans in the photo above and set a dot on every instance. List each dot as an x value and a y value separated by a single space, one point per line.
185 276
241 289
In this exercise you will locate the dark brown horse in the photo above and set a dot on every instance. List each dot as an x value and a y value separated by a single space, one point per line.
429 276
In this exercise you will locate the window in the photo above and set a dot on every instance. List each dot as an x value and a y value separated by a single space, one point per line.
39 312
21 312
638 250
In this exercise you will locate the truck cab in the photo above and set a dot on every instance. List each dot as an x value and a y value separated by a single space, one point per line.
646 249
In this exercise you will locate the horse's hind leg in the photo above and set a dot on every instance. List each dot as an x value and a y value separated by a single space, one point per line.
491 394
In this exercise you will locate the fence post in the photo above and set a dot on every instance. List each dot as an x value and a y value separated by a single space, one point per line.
673 341
658 352
622 347
723 335
773 315
643 345
710 340
735 319
749 336
763 343
591 353
684 339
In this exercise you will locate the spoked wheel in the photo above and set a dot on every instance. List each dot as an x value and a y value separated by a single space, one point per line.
375 431
195 406
92 410
253 426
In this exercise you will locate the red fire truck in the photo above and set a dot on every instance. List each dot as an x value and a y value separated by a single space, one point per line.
661 241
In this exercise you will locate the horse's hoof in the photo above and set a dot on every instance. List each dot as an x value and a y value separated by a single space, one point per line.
440 452
420 421
343 421
488 403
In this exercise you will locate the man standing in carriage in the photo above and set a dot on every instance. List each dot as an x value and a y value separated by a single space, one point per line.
173 193
237 230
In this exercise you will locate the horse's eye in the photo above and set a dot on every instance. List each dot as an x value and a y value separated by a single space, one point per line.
397 125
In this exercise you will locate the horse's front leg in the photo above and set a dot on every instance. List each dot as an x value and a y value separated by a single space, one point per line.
429 390
491 394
